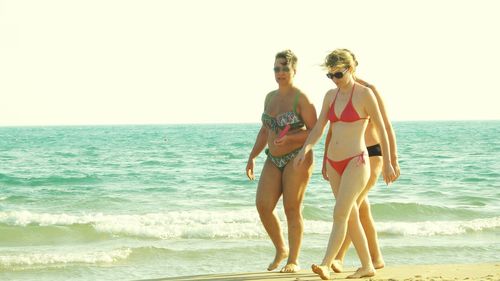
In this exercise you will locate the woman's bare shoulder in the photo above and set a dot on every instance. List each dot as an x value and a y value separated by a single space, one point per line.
271 93
331 92
364 91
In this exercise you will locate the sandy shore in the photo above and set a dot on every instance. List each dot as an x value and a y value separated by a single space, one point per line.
489 271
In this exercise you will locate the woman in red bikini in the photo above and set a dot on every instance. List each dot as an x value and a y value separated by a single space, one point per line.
375 155
287 120
349 107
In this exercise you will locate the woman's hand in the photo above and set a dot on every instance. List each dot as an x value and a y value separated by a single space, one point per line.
281 141
323 170
299 159
395 166
388 174
249 169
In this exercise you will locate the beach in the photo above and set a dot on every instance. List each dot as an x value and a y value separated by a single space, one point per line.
161 201
471 272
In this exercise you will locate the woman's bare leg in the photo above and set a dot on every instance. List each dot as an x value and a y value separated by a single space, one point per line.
353 178
350 186
323 270
268 193
366 220
295 181
371 234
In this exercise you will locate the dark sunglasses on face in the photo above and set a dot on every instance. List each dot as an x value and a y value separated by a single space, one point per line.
338 74
277 69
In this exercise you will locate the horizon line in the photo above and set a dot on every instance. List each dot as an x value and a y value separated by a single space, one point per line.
214 123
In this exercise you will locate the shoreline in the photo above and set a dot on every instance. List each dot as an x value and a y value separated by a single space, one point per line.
435 272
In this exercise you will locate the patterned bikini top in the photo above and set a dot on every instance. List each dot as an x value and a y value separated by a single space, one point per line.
279 122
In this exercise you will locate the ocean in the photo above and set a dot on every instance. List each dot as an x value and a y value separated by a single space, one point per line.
151 201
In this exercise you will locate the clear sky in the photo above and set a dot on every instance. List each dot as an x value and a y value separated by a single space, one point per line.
201 61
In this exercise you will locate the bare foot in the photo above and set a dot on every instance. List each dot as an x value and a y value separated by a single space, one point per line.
322 271
290 268
337 266
378 264
281 255
362 272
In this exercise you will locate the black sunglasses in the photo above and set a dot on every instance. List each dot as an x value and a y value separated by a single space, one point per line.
338 74
277 69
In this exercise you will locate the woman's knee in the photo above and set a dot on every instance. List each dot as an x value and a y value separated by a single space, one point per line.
340 214
293 211
353 216
264 207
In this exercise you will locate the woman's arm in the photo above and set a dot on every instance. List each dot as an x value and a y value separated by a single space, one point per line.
317 130
389 129
327 141
260 144
388 126
373 111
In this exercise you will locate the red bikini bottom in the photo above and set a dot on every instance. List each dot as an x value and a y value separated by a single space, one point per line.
340 166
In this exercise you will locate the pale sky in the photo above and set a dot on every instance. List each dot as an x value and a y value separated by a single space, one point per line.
210 61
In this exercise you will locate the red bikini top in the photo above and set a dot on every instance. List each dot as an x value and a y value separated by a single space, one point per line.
349 113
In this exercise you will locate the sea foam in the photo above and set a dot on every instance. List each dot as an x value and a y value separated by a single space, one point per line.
239 224
63 258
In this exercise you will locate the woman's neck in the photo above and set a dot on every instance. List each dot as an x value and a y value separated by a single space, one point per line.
284 90
347 86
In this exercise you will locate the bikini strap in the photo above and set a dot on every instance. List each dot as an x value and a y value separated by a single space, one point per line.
332 108
361 158
332 105
352 92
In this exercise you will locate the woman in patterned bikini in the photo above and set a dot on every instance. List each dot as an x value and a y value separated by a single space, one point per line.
348 108
286 122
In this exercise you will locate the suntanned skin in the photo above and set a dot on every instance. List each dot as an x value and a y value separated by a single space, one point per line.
348 140
292 181
371 138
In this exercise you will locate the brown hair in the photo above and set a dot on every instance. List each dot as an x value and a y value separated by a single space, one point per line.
289 57
341 58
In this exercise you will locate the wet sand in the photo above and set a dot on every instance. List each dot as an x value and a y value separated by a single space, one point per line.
470 272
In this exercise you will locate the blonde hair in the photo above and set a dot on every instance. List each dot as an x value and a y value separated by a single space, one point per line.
341 58
289 57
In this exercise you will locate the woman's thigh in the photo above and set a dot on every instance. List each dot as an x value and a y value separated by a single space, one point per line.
375 169
351 184
269 188
334 179
295 180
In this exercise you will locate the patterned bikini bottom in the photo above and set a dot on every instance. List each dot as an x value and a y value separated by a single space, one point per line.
281 161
